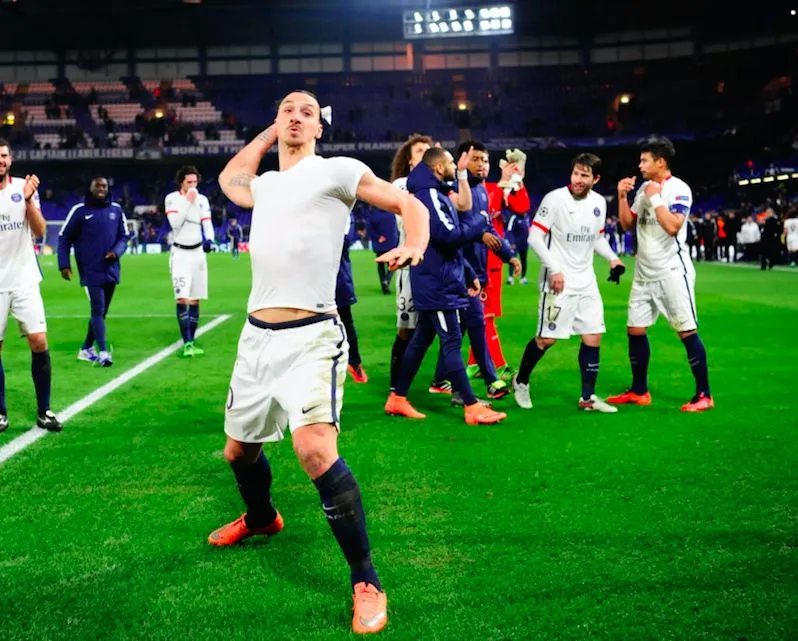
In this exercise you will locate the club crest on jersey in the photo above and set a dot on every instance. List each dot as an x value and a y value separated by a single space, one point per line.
596 212
16 198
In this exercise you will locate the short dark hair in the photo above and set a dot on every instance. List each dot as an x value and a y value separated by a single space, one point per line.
187 170
588 160
467 144
433 156
4 143
659 147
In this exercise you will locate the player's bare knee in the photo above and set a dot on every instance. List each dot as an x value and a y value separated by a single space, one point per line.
404 333
38 342
544 343
636 331
592 340
684 335
316 449
236 452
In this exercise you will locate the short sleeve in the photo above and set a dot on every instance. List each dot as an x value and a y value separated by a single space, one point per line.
546 214
170 206
681 200
346 174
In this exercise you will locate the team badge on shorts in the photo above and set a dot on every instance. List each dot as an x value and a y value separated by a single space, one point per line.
16 198
405 316
552 326
596 212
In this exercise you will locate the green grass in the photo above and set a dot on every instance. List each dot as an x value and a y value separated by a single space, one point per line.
649 524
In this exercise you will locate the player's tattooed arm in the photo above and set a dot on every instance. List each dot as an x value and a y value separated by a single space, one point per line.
241 180
236 178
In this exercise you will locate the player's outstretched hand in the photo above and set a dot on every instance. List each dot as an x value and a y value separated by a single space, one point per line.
516 266
401 257
31 185
617 269
462 163
625 185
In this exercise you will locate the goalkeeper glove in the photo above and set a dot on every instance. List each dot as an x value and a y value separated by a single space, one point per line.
207 246
616 273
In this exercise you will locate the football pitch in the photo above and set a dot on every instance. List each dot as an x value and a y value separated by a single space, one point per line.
556 524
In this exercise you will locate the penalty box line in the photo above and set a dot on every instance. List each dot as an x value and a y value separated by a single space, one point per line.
23 441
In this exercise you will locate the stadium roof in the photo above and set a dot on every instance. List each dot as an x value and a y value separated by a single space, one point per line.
86 24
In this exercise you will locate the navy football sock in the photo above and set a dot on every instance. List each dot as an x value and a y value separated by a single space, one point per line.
41 369
639 355
343 507
531 357
589 366
182 321
193 320
397 356
697 357
254 482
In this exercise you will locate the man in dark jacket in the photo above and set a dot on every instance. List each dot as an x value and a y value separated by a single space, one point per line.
97 229
439 288
476 254
384 236
344 299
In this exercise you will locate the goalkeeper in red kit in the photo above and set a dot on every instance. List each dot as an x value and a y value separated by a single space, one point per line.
500 200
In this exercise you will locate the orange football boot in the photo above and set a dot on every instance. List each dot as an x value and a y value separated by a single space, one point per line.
630 398
370 609
400 406
358 374
237 531
699 403
478 414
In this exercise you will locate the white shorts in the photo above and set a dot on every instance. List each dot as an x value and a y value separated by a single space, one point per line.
672 297
564 315
286 378
27 308
406 314
792 244
189 270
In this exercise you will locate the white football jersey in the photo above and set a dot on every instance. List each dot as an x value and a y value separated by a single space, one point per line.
18 265
572 226
299 221
401 183
190 231
660 255
791 228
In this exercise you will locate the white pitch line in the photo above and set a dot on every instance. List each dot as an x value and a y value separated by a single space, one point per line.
114 316
35 433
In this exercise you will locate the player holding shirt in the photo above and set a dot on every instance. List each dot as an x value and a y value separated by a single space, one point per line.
566 232
664 279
